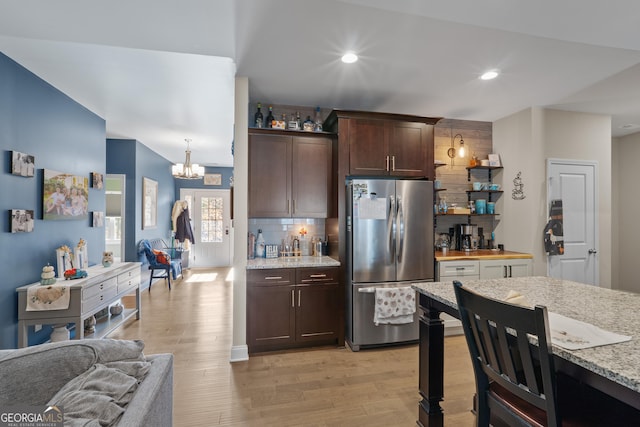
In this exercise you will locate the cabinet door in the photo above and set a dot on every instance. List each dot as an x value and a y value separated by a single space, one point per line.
311 177
270 309
317 312
368 150
408 149
501 268
270 317
520 267
493 269
319 306
269 176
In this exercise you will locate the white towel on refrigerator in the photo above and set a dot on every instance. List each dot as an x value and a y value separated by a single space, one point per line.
394 306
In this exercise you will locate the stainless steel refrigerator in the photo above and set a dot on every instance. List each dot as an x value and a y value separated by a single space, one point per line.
389 244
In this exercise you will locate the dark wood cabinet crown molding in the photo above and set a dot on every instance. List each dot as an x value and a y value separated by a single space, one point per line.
331 123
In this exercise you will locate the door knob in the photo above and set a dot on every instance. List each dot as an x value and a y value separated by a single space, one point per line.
593 251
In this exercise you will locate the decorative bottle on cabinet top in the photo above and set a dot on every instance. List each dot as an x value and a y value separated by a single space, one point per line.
308 124
270 117
258 119
317 120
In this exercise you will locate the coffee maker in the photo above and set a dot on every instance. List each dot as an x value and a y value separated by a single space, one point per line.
464 236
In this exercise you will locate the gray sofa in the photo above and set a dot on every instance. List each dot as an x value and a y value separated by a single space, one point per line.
97 382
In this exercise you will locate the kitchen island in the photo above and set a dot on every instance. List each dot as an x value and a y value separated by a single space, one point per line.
612 369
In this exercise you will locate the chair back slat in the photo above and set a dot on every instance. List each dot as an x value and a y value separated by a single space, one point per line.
508 361
502 342
524 347
488 343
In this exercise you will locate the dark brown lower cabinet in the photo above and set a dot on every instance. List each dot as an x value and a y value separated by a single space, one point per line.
289 308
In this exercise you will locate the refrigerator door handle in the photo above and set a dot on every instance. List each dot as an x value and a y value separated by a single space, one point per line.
391 228
400 226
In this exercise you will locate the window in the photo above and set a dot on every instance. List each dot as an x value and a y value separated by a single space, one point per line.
211 230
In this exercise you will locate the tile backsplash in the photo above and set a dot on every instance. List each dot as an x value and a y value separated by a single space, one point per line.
276 229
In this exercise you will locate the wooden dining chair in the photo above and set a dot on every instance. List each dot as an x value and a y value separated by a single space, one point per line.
515 379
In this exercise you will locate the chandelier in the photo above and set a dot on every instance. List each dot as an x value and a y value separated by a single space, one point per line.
187 170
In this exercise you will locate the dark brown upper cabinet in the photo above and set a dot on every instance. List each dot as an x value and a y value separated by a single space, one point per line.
380 144
290 175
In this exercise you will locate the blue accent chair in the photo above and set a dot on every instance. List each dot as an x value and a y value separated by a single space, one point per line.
160 270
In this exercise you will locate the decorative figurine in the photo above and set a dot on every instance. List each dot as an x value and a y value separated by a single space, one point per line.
48 276
90 325
116 309
82 256
75 273
59 333
107 259
65 259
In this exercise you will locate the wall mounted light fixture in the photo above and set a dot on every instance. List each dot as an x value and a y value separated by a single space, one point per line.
452 151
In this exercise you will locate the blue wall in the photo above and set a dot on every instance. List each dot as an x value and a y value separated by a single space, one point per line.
226 173
37 119
137 161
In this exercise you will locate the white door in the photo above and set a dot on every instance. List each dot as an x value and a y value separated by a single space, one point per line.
211 222
114 225
575 183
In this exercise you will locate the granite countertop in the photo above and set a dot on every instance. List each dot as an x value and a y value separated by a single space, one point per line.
612 310
480 254
292 262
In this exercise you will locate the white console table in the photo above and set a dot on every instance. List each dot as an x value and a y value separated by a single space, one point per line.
102 287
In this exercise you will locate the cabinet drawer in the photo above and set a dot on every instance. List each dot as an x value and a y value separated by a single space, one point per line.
458 268
317 275
89 304
93 290
128 275
129 284
271 277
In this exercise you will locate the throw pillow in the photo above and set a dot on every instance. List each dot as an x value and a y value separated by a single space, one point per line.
161 257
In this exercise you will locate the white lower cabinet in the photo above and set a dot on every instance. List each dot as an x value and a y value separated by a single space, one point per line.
448 271
503 268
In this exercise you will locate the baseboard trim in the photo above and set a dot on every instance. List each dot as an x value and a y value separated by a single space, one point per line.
239 353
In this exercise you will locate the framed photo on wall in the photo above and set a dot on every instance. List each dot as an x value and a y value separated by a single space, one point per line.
212 179
21 220
97 180
64 196
149 203
98 219
22 164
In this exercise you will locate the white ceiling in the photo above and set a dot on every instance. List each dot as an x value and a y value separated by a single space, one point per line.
160 71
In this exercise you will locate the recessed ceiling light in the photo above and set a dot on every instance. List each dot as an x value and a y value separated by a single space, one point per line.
629 126
349 58
489 75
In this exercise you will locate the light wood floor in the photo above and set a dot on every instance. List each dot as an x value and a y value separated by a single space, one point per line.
314 387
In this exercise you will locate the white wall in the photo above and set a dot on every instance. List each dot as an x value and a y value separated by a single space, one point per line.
627 202
525 141
239 349
517 139
582 136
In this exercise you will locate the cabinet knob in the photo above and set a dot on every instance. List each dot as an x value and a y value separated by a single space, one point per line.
593 251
